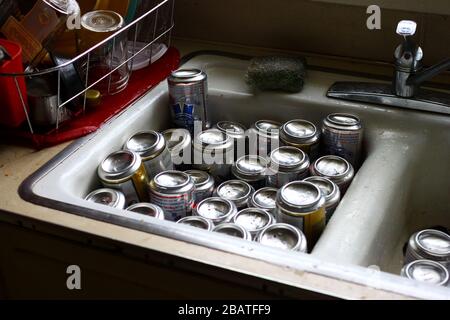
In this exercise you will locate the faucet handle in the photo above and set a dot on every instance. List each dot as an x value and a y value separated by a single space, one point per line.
406 28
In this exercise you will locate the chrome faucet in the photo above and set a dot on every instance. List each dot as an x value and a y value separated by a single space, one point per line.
409 75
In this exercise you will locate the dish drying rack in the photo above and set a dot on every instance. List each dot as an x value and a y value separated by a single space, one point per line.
87 120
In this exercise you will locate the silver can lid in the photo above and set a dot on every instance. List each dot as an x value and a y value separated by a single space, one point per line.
332 167
267 128
434 243
187 75
213 139
426 271
265 198
118 166
172 181
108 197
300 197
233 129
233 230
329 189
216 209
201 178
253 220
177 140
343 121
148 144
299 131
198 222
102 21
148 209
283 236
250 167
235 190
289 158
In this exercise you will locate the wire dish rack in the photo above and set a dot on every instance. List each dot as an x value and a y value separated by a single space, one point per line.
148 32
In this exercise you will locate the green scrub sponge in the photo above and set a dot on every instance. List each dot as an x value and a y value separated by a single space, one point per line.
277 73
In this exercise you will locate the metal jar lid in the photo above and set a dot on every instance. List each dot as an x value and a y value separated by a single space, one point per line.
283 236
254 220
289 159
119 166
172 182
198 222
264 198
427 271
148 144
148 209
187 76
299 197
332 167
329 189
234 129
267 128
234 230
343 121
250 168
433 244
108 197
299 132
177 140
237 191
213 140
216 209
203 180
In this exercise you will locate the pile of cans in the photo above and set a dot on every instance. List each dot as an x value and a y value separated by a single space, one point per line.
427 257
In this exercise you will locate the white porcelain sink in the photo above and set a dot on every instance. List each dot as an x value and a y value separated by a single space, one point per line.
403 185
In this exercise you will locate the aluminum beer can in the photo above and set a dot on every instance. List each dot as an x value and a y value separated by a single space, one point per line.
287 164
124 171
179 144
237 191
237 132
301 134
342 136
302 205
331 192
173 191
148 209
108 197
251 169
204 185
198 222
283 236
335 168
216 209
188 89
233 230
151 147
264 137
254 220
427 271
429 244
264 198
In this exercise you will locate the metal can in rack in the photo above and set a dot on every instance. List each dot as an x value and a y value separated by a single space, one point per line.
108 197
216 209
342 136
173 191
188 89
335 168
301 134
283 236
251 169
427 271
237 132
124 171
179 144
264 198
429 244
287 164
302 205
151 147
264 137
254 220
331 192
237 191
148 209
198 222
233 230
204 184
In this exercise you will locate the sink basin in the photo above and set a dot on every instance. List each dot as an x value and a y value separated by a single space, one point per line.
402 186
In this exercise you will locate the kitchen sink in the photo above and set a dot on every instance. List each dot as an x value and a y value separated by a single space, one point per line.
402 186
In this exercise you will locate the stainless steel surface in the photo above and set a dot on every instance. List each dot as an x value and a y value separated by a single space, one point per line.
148 209
283 236
302 134
198 222
287 164
233 230
331 192
251 169
107 197
335 168
204 184
426 271
253 220
429 244
264 198
237 191
215 209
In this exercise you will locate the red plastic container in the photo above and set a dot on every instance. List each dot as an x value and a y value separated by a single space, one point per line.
11 108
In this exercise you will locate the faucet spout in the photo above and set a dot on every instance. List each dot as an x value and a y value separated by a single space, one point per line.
422 76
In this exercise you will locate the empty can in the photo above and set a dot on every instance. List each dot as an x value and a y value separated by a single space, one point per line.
151 146
283 236
287 164
342 136
173 191
264 136
264 198
233 230
254 220
301 134
237 132
148 209
302 205
108 197
335 168
237 191
179 144
331 192
204 185
216 209
427 271
251 169
198 222
124 171
429 244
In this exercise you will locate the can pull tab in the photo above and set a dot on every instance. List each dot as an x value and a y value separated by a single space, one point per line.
406 28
